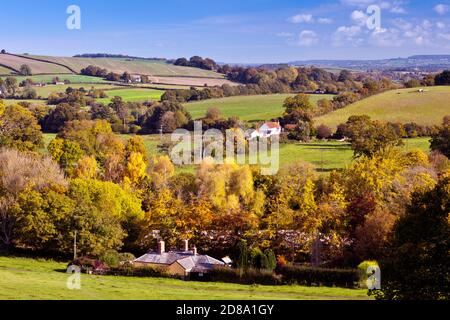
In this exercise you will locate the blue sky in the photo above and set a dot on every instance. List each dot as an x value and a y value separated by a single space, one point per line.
256 31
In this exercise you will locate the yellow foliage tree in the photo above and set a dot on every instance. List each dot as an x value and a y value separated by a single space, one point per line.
86 168
136 168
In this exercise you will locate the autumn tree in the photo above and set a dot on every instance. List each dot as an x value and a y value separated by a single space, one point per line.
19 129
418 260
20 173
298 108
368 137
440 139
66 153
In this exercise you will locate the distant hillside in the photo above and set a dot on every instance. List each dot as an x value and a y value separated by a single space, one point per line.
159 71
121 56
404 105
430 63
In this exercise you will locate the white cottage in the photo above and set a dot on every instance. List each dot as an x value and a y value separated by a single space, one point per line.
267 130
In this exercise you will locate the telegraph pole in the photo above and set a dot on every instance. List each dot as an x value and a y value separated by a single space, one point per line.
75 246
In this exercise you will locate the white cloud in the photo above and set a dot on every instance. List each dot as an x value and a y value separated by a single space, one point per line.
359 17
402 24
301 18
440 25
325 21
442 8
307 38
390 37
348 36
396 6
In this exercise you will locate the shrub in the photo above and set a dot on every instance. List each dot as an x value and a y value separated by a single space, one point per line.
111 258
309 276
126 257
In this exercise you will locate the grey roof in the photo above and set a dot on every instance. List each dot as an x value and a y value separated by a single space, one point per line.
186 259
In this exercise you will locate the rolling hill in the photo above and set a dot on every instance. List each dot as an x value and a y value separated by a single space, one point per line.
403 105
249 108
38 67
159 71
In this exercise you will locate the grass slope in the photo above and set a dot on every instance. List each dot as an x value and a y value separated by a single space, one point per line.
44 92
132 95
404 105
249 108
22 278
119 65
73 78
5 71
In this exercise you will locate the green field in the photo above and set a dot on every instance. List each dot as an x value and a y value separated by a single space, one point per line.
249 108
5 71
133 95
404 105
29 279
73 78
44 92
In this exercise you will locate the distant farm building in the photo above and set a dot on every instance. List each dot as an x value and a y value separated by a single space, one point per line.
267 130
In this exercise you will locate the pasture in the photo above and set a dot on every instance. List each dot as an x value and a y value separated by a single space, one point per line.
44 92
73 78
249 108
403 105
132 95
33 279
5 71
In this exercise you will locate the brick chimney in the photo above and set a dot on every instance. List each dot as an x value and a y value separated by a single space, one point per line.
161 247
185 245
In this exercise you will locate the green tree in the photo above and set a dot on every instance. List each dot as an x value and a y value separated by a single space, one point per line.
368 137
25 70
67 153
298 108
103 214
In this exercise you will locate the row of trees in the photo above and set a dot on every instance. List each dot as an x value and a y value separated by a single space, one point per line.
95 71
197 62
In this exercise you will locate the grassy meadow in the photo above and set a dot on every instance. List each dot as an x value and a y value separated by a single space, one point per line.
33 279
133 95
403 105
44 92
249 108
73 78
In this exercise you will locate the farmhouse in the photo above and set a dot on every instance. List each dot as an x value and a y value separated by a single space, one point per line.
180 263
267 130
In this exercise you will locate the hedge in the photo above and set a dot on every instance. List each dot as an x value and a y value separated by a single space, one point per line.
250 276
309 276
